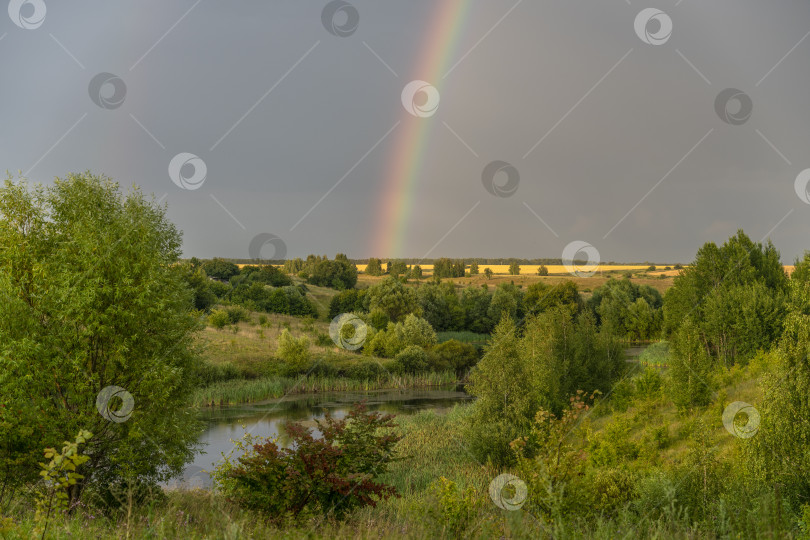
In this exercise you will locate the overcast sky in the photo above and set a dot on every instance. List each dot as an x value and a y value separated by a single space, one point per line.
611 126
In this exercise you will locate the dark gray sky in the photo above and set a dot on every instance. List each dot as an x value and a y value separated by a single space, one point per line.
632 156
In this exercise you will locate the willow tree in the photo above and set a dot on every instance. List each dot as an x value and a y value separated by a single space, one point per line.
92 297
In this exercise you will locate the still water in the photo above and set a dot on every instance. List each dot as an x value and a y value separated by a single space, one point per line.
266 418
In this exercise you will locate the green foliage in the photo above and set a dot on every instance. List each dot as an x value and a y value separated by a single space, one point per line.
514 269
542 270
219 289
733 294
329 476
348 301
452 509
547 459
656 355
294 352
488 272
267 274
691 371
474 268
374 267
441 306
777 454
200 285
92 296
59 477
237 314
627 310
415 272
418 331
219 318
411 359
393 298
220 269
339 274
260 297
448 268
540 297
554 358
453 355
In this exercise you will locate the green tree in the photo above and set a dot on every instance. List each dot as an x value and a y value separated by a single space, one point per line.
514 269
691 369
93 296
392 297
220 268
474 268
488 272
416 272
542 270
374 267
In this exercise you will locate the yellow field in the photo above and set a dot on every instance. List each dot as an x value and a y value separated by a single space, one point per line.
530 268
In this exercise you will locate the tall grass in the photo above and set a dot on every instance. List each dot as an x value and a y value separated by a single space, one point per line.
463 336
246 391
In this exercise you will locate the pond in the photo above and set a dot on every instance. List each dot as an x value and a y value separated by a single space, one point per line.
265 419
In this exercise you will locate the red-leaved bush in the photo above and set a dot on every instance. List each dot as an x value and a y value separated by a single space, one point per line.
329 475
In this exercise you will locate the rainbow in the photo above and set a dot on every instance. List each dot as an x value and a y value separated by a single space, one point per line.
405 165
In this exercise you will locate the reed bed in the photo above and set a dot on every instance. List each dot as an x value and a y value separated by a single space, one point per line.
246 391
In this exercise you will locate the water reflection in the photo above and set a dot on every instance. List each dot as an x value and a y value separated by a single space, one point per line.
266 419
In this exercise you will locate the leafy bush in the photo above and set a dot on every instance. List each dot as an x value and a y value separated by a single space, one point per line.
294 352
237 314
218 318
453 355
365 370
417 331
413 359
328 476
219 289
453 509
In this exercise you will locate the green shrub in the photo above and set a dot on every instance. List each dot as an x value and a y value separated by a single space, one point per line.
413 359
417 331
219 289
452 509
218 318
323 340
378 319
294 352
328 476
365 370
452 355
237 314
